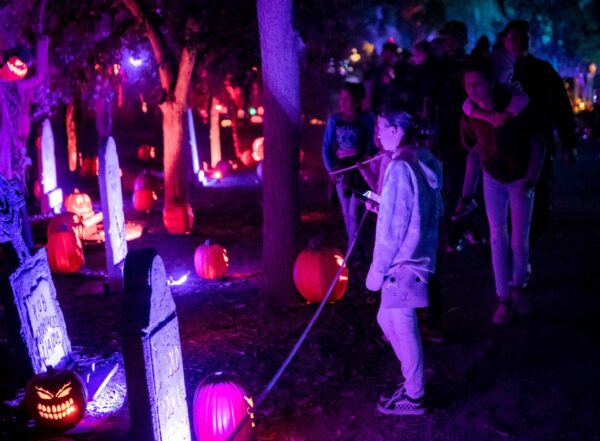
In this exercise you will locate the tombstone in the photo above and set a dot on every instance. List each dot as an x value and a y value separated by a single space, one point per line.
193 144
112 211
51 197
34 317
152 352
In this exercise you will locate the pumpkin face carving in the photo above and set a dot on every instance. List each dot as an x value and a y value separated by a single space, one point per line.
14 69
79 203
56 399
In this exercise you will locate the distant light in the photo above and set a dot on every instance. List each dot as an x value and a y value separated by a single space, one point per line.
226 123
241 114
260 110
135 62
256 119
217 175
218 107
116 68
252 111
355 56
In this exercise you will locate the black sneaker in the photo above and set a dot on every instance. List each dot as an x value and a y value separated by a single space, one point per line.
384 397
403 405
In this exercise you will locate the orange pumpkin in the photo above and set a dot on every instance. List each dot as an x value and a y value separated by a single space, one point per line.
210 261
65 250
147 181
88 168
146 152
314 271
247 158
178 217
143 200
225 167
79 203
56 399
14 69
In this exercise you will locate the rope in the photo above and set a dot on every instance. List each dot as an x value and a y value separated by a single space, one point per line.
358 164
296 347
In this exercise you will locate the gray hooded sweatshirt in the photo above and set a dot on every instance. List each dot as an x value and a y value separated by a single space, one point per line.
407 228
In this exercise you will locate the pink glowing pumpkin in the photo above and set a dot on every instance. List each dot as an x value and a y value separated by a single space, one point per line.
220 404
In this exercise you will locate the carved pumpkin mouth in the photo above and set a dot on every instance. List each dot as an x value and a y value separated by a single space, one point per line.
56 411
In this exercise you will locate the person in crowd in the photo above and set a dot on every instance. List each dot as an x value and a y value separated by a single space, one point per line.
511 168
548 98
380 82
502 66
404 255
348 139
424 79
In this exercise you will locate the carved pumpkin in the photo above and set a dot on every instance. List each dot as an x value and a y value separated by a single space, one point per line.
56 399
258 149
14 69
220 403
65 250
178 217
147 181
71 220
146 152
210 261
247 158
79 203
225 167
314 270
89 167
143 200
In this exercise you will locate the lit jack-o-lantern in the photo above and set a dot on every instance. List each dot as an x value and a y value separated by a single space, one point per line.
314 271
146 152
143 200
88 167
56 399
258 149
225 167
210 261
14 69
79 203
178 217
247 158
220 404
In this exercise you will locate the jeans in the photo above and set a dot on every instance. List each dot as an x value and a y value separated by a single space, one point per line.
509 264
401 328
349 204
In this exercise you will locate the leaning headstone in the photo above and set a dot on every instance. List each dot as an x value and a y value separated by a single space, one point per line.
112 210
193 144
152 352
34 317
52 197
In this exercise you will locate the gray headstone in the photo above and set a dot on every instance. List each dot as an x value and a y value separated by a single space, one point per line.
193 143
52 197
32 309
152 352
112 211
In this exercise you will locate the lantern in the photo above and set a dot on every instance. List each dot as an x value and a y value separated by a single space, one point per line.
65 250
143 200
247 158
210 261
89 167
147 181
14 69
56 399
79 203
314 271
146 152
178 217
220 404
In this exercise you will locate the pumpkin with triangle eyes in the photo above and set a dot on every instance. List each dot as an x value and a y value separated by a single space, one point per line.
56 399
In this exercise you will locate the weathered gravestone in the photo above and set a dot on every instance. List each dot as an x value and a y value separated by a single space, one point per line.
32 311
193 144
112 211
52 197
152 352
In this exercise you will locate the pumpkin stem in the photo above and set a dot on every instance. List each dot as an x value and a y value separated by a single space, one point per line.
315 243
207 242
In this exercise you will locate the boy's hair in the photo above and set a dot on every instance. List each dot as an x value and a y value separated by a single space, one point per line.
480 65
356 91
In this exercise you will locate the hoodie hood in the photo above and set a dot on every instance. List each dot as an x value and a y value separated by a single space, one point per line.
424 161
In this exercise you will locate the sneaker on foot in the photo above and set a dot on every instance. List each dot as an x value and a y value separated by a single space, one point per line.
465 206
397 393
503 312
521 302
403 405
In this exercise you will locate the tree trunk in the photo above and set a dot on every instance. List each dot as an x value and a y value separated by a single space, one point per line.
173 133
280 47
